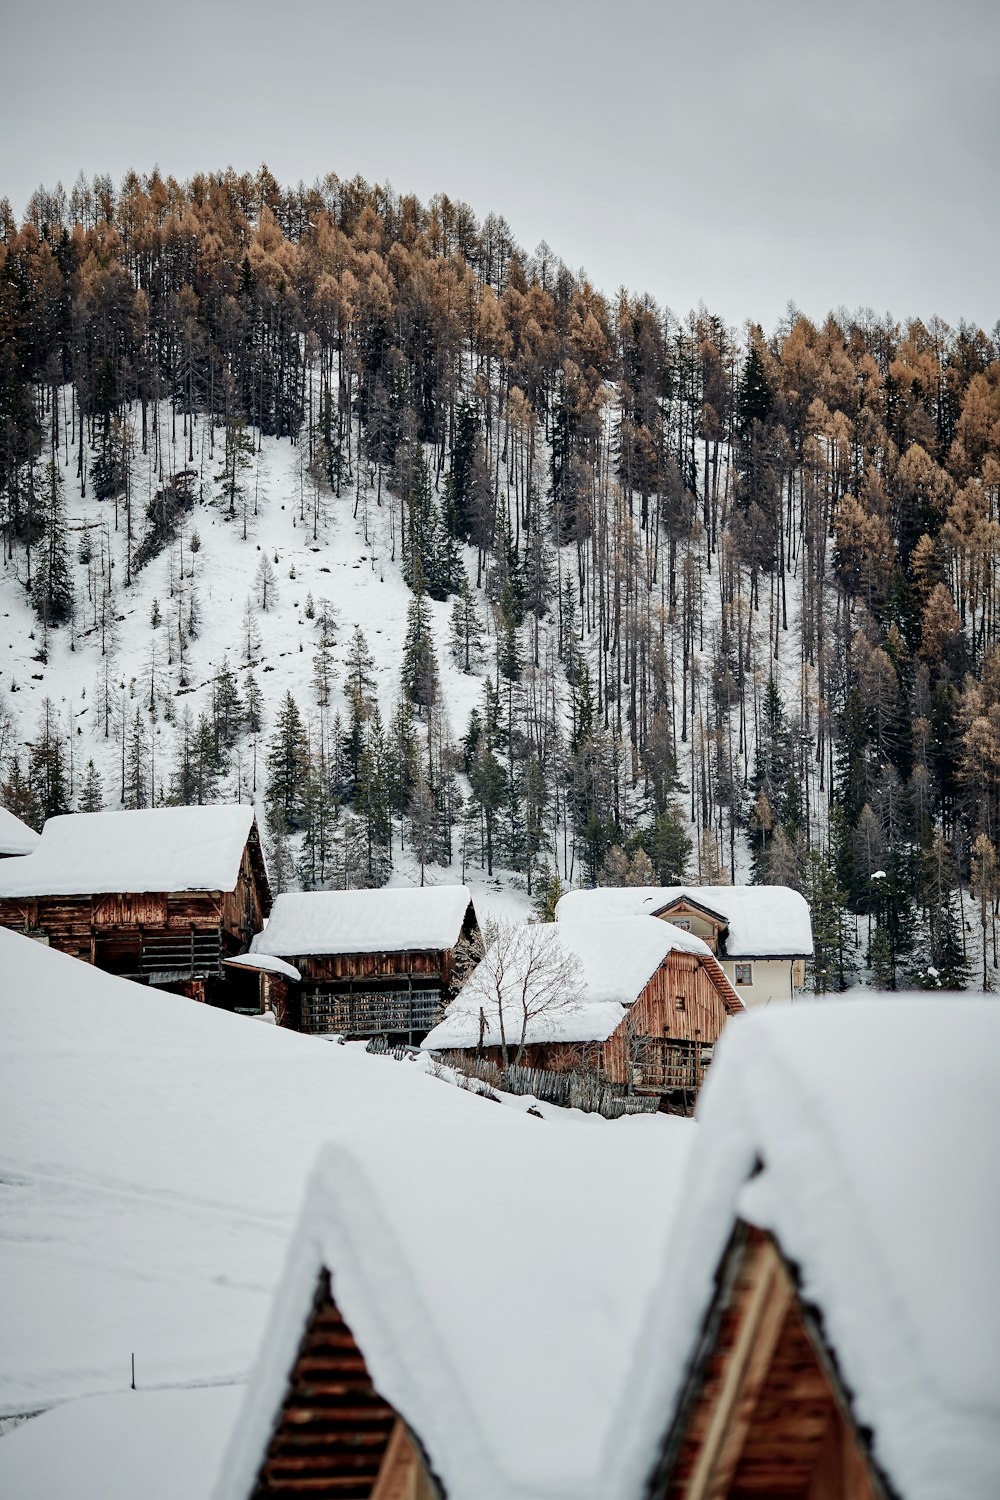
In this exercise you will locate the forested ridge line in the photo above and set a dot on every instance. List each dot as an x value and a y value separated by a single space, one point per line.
733 594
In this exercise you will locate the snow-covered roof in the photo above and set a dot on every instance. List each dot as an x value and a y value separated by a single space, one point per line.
571 1260
398 920
15 837
264 963
764 921
874 1124
614 961
152 849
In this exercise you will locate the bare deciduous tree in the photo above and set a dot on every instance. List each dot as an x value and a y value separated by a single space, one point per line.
526 976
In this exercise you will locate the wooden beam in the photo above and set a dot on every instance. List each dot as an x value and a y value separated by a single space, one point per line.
746 1370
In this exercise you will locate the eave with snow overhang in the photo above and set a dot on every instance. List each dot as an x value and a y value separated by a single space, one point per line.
650 1005
15 837
833 1279
762 934
376 962
163 895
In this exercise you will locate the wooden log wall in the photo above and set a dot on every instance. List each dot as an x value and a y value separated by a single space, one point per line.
680 1001
342 967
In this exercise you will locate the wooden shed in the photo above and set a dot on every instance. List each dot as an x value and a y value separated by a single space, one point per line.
161 895
377 963
648 1005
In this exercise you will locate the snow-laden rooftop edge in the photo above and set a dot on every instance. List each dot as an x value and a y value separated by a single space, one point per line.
393 920
152 849
15 837
764 921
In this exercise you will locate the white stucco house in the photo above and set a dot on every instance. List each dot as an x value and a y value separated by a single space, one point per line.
761 934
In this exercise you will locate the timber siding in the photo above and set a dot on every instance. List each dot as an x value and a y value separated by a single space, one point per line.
763 1410
336 1437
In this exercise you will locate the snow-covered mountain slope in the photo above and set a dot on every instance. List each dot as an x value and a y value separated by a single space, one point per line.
336 566
153 1156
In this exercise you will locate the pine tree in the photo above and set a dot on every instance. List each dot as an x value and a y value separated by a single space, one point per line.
319 810
228 713
47 764
462 460
466 628
371 801
548 890
137 784
323 676
402 756
288 765
253 705
829 964
92 792
52 585
419 670
669 847
251 631
358 665
422 817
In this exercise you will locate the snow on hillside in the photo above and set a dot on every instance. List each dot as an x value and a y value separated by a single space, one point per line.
153 1157
349 563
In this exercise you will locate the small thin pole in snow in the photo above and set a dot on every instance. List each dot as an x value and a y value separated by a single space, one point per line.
133 1372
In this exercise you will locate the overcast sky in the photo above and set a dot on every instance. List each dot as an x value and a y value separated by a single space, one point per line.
744 153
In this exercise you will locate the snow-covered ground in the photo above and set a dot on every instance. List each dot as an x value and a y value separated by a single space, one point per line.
153 1156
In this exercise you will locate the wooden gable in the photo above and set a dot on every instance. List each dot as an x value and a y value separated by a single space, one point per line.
764 1412
336 1437
693 917
664 1043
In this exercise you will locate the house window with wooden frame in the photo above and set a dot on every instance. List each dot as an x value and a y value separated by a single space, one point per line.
744 974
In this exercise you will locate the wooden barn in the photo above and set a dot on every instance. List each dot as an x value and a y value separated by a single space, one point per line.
640 1004
162 895
847 1346
761 934
15 837
379 963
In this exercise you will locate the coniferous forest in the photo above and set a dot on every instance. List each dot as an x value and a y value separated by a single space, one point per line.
728 596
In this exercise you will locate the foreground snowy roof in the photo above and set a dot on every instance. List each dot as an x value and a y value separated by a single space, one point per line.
153 849
419 918
880 1180
765 921
615 960
421 1260
15 837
